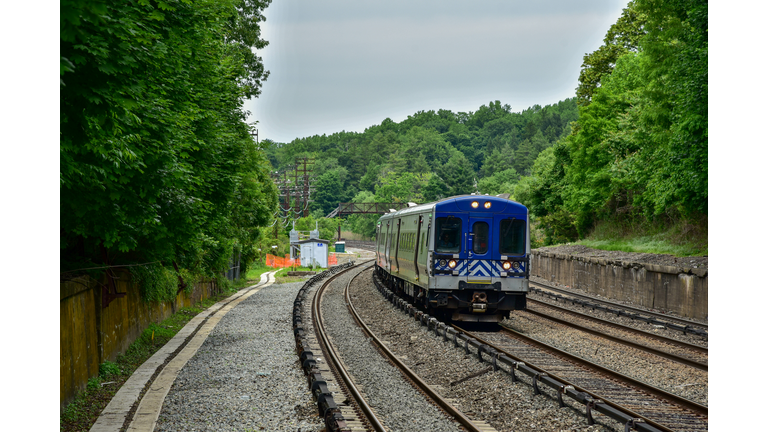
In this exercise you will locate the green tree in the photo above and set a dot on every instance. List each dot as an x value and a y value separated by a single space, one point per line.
435 189
500 182
329 191
156 162
624 36
676 118
457 175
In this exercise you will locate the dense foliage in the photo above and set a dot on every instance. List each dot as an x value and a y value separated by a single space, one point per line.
639 150
429 155
157 163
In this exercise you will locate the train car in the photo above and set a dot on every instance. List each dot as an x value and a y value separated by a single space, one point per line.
464 258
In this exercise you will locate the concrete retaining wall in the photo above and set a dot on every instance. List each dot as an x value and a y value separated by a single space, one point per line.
90 335
682 291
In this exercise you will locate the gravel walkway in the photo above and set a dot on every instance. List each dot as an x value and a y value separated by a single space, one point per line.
246 375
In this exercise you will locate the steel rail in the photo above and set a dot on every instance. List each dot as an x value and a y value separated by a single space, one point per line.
623 306
317 318
680 401
564 381
660 353
563 387
426 388
690 346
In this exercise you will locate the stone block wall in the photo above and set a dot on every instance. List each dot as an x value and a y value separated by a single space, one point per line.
682 291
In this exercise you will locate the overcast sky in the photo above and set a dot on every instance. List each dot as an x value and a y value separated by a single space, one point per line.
349 64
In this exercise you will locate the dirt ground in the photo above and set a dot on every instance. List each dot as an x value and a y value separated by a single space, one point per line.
642 258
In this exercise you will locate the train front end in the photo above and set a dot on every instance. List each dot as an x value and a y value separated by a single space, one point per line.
479 258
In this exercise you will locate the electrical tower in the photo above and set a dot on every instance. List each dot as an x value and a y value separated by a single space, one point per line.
295 183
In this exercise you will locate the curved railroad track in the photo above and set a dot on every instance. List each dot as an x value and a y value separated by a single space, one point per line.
672 349
665 410
368 417
633 408
423 387
341 399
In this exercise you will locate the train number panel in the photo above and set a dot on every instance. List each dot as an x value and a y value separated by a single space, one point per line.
463 258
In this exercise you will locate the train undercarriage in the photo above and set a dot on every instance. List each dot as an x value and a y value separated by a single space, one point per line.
485 303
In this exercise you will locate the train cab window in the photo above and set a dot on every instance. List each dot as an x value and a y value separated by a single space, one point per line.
480 241
512 237
448 234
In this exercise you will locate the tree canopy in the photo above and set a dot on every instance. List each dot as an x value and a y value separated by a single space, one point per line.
156 160
639 148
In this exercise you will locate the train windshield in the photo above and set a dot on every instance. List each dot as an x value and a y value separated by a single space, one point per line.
448 234
512 237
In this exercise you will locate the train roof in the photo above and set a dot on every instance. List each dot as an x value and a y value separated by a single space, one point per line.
455 202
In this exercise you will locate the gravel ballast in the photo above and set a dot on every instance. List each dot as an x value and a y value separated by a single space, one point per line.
396 403
246 374
491 397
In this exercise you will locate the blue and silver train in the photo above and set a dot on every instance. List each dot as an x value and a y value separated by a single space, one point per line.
464 258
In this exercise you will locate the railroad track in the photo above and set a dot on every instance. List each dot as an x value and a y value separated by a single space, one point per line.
692 355
635 409
362 415
335 401
340 400
423 387
667 321
645 401
361 244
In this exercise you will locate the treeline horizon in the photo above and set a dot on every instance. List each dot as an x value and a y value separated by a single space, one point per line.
428 156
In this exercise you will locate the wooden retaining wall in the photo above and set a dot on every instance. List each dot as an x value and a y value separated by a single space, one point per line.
680 290
90 334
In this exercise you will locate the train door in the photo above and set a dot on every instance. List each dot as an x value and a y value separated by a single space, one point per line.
480 250
388 243
396 241
416 246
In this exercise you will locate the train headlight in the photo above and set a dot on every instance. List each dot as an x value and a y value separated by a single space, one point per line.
442 263
487 204
506 265
475 204
516 265
452 263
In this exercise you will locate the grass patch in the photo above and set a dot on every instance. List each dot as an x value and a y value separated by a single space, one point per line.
677 238
281 276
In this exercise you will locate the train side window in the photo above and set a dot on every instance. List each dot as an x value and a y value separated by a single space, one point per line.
448 234
480 242
512 237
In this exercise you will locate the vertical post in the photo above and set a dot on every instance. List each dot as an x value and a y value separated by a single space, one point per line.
237 269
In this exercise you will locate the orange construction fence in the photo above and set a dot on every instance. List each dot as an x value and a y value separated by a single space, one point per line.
280 262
